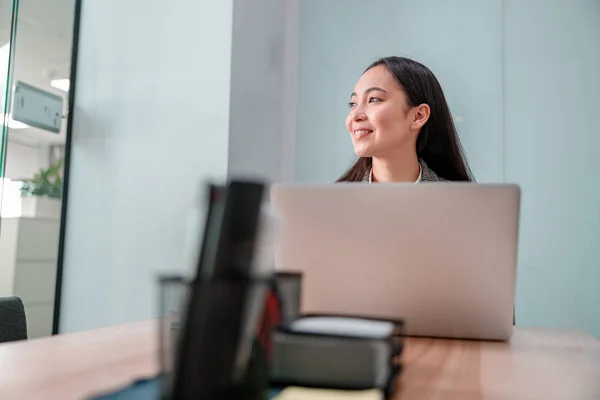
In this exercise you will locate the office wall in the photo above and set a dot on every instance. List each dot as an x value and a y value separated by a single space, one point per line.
460 41
154 120
264 84
257 83
523 77
264 79
151 122
552 106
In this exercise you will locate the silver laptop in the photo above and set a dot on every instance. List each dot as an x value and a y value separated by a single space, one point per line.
440 256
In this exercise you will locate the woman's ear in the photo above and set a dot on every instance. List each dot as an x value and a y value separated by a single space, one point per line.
420 116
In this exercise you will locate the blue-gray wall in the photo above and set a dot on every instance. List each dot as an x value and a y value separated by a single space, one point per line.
461 41
523 78
552 70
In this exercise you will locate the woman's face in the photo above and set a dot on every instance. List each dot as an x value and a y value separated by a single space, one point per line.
380 121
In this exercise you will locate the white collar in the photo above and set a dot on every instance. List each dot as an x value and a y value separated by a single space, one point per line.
417 181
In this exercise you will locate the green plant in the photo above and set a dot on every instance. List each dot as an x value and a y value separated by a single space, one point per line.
47 182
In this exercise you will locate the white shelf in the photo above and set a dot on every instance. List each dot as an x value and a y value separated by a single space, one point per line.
28 258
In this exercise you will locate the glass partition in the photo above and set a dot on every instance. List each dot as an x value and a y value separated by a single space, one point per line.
8 12
35 59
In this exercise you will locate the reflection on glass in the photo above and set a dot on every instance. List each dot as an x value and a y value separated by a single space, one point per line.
32 173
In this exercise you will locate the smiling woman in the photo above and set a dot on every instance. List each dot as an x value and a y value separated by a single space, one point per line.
401 127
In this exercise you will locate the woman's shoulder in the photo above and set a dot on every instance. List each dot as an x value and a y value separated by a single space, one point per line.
429 175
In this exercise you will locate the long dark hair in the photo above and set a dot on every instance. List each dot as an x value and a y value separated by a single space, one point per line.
438 143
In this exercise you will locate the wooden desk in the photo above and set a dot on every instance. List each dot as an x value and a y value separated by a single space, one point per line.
536 364
76 365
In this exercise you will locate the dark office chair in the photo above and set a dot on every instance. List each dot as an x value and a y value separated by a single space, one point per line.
13 324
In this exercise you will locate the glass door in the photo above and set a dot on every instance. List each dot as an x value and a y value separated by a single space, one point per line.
8 13
35 58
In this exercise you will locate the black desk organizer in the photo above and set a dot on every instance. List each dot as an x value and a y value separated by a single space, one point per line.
197 352
257 377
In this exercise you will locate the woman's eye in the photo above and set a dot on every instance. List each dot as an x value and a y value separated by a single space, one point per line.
351 105
374 100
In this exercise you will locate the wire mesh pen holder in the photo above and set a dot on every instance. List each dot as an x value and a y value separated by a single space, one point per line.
173 298
215 338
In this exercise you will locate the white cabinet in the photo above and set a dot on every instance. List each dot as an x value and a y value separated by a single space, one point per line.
28 259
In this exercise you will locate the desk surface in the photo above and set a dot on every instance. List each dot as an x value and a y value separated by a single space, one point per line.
536 364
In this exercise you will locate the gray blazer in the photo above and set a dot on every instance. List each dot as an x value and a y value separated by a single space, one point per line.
427 174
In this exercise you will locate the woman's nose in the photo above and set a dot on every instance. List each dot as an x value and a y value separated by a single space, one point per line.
359 114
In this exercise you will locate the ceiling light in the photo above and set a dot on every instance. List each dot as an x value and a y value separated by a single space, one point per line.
62 84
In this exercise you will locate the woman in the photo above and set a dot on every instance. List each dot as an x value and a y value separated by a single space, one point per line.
401 127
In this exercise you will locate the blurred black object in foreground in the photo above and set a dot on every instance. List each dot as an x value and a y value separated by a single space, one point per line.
216 358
